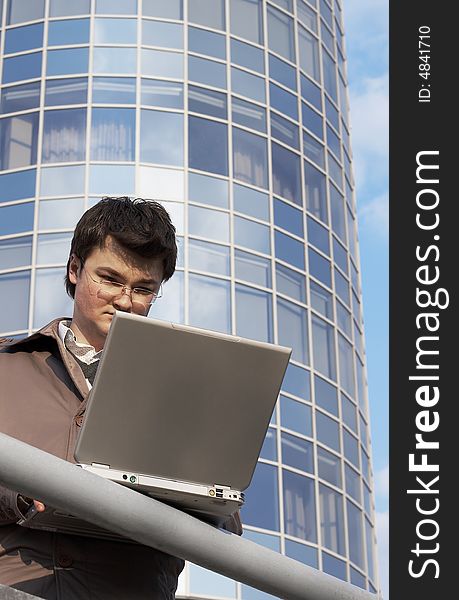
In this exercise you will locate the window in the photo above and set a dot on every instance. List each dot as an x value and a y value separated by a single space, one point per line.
254 236
340 257
334 566
113 90
118 60
331 519
297 382
288 218
17 11
206 42
269 448
208 190
53 248
249 114
248 56
207 72
283 101
62 8
159 63
301 553
307 16
343 317
112 180
208 223
113 134
64 135
355 534
254 314
16 218
168 9
370 546
351 448
353 483
250 158
213 258
282 72
250 267
326 395
299 506
261 507
311 92
286 174
18 141
157 33
346 368
210 305
208 146
60 214
284 131
115 31
316 198
50 296
297 453
341 287
329 69
318 236
57 181
289 250
327 431
115 7
246 84
167 94
25 66
20 39
60 92
280 33
329 466
66 33
338 218
20 97
15 252
312 120
309 53
68 61
324 347
335 170
247 19
207 102
293 329
296 416
209 583
321 300
319 267
251 202
15 186
291 283
14 291
210 13
171 306
161 137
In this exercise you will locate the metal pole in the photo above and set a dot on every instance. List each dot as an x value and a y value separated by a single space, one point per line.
112 506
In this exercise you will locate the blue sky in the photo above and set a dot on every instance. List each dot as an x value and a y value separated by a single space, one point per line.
366 25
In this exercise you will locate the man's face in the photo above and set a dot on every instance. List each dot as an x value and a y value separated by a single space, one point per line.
93 309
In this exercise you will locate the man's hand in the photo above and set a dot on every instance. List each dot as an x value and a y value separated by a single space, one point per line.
39 505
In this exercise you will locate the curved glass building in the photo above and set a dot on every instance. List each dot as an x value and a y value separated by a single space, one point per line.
234 114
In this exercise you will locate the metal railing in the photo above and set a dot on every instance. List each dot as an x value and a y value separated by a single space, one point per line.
62 485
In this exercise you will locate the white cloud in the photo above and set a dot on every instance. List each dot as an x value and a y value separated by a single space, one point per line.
382 482
382 535
374 217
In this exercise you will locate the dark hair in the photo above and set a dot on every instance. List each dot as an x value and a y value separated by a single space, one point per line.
141 226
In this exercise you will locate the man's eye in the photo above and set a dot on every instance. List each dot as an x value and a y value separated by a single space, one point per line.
143 291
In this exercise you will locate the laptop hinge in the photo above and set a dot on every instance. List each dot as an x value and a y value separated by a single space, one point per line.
100 465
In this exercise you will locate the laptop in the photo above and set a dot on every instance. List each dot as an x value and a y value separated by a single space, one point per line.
178 413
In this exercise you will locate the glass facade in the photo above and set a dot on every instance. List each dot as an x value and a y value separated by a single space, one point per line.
234 115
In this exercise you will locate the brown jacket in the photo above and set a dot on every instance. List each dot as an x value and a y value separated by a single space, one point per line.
43 396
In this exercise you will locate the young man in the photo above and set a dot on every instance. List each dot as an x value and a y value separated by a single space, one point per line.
121 252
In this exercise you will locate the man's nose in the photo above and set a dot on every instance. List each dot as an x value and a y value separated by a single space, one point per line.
124 301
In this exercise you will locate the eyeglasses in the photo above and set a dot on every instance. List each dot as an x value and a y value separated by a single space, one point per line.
142 297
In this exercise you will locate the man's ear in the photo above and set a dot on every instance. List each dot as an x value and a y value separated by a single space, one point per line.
74 269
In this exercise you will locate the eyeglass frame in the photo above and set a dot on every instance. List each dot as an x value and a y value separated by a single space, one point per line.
124 288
